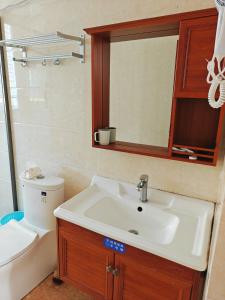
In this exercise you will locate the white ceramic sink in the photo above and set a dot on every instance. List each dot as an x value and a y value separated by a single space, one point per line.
169 225
151 224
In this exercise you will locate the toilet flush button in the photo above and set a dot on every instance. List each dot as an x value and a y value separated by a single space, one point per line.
43 197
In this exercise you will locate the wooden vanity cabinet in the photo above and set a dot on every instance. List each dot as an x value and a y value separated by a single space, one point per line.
145 276
83 260
136 274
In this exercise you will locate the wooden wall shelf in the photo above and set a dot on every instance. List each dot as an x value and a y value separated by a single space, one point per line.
136 149
194 148
194 124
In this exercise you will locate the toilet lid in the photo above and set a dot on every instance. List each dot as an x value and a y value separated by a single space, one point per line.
15 240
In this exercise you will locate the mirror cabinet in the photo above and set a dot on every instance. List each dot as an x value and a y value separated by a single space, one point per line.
149 81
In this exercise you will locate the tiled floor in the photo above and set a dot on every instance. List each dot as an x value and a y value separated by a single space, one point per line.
47 290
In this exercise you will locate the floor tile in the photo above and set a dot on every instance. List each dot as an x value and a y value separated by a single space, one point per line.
47 290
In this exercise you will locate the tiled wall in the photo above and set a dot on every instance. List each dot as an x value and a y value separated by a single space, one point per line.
51 106
216 286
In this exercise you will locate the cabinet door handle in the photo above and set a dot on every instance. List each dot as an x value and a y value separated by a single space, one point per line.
116 272
109 269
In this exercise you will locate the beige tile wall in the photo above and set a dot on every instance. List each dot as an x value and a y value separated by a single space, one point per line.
51 105
216 287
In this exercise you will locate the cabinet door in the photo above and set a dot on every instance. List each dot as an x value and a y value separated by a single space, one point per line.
83 260
196 46
150 278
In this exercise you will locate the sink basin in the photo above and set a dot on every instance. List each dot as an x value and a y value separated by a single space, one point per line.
171 226
150 223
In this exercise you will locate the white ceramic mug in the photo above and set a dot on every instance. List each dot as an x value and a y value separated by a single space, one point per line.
102 136
112 134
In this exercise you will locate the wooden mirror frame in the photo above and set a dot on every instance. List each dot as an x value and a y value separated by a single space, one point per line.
102 36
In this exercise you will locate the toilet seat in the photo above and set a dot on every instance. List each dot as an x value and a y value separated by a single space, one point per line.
16 239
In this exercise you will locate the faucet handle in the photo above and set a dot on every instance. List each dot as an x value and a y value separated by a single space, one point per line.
140 186
144 178
143 181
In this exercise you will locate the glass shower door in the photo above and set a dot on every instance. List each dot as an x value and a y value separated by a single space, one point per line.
7 176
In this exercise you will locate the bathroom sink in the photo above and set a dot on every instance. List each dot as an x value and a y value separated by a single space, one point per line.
150 223
171 226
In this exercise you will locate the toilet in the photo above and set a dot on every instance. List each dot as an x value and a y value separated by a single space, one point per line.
28 249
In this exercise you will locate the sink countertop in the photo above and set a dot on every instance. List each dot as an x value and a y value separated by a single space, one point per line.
171 226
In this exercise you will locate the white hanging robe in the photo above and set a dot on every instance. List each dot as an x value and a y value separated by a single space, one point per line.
218 80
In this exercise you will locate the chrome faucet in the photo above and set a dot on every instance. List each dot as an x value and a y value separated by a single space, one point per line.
142 187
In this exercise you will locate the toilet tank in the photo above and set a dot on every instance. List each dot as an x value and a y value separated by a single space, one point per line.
40 198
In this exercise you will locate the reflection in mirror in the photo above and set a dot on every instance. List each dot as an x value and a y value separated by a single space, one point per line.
141 87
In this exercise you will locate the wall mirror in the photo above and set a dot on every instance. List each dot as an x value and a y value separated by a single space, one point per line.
141 89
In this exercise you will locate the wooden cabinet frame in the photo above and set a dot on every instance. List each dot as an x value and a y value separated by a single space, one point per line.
101 38
139 273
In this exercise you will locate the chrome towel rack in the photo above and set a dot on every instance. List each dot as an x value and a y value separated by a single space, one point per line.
25 43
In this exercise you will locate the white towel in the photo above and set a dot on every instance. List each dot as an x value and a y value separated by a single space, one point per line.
32 170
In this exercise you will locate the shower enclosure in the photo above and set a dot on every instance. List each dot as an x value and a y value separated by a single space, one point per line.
8 196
